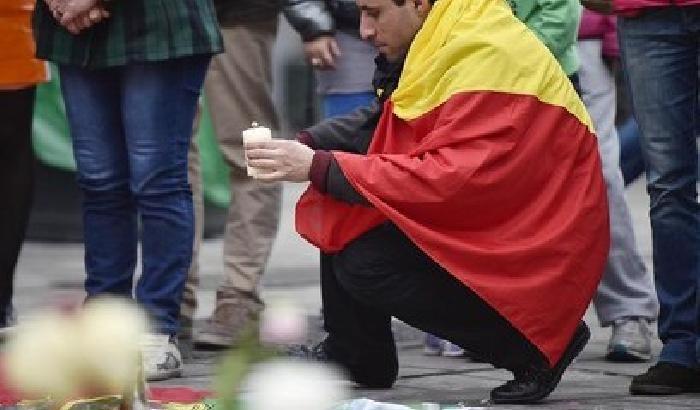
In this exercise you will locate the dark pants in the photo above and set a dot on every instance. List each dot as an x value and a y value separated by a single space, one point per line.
660 52
16 183
383 274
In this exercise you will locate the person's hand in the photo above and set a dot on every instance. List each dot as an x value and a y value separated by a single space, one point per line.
601 6
321 52
72 9
77 15
86 20
280 160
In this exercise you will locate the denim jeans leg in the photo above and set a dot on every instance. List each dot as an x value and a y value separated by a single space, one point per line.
159 104
109 215
660 53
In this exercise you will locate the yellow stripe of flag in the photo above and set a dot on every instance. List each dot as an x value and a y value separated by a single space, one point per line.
479 45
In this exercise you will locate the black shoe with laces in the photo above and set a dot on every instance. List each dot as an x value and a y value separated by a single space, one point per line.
666 378
534 384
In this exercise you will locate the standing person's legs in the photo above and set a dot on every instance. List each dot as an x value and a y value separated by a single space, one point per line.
16 181
159 102
239 92
660 52
188 307
93 107
625 298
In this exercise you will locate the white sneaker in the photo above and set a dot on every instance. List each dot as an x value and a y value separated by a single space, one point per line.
161 357
630 340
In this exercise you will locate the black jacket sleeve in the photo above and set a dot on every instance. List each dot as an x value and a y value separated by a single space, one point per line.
310 18
338 186
350 133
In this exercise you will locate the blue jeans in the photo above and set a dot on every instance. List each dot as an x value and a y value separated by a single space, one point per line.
131 128
340 104
660 51
631 160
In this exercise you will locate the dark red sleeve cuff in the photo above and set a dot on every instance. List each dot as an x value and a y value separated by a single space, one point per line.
318 174
305 138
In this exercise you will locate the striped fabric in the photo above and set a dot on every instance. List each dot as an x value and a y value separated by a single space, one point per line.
137 31
486 158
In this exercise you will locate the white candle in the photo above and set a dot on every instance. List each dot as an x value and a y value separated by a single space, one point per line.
255 134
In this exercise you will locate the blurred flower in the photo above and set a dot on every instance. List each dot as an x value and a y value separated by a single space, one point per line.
63 355
283 323
293 385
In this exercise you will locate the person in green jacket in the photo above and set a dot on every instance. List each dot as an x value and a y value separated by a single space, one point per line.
556 23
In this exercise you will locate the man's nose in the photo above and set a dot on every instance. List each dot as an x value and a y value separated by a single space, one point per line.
367 30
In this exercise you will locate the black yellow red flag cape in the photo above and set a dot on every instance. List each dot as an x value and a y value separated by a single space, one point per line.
486 158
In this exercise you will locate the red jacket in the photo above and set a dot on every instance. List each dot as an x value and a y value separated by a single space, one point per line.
599 26
631 7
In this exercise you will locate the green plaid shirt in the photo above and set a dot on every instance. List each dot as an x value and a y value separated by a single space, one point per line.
136 31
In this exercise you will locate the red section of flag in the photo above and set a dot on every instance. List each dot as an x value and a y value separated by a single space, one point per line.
502 190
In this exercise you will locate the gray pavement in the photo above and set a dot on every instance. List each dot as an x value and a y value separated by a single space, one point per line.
51 272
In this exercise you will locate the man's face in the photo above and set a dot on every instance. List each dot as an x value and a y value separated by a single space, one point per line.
391 27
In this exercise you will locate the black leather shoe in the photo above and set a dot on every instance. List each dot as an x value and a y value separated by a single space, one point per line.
534 384
666 378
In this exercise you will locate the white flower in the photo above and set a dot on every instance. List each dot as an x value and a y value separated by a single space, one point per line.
293 385
60 355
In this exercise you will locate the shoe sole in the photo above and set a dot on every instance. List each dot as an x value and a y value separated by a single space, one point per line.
653 390
569 355
6 333
621 354
452 354
165 376
207 341
660 390
427 351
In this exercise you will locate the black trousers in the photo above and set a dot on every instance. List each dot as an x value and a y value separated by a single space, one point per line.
383 274
16 184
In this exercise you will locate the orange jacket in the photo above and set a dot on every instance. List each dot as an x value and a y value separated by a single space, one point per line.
18 67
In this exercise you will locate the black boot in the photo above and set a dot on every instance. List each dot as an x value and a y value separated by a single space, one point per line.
534 384
666 378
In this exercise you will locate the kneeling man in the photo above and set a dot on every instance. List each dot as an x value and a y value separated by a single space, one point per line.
467 202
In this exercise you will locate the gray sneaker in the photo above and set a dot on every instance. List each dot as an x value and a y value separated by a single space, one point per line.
630 340
231 317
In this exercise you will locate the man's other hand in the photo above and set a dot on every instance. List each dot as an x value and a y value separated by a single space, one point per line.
601 6
321 52
280 160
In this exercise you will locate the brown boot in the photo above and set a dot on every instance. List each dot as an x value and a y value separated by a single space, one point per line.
233 314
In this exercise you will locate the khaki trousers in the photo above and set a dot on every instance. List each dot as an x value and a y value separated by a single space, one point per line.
238 88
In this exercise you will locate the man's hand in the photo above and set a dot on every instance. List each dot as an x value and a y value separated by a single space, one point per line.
321 52
280 160
601 6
